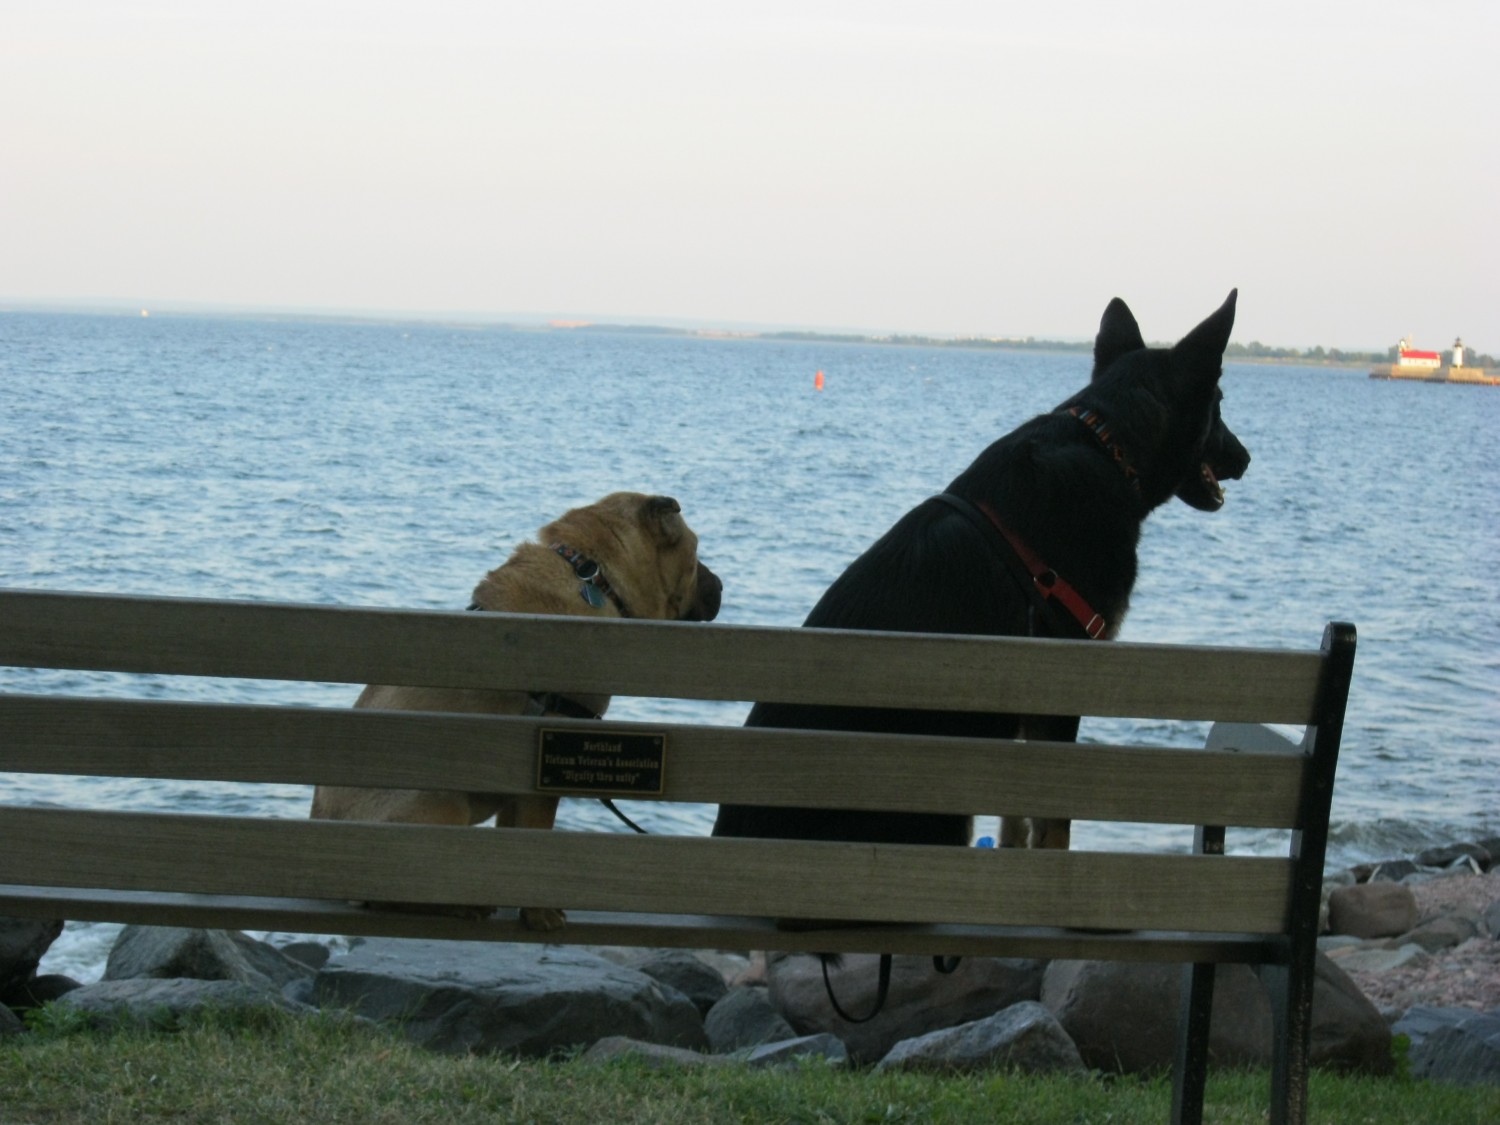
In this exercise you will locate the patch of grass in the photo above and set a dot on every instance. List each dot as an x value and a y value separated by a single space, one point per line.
270 1067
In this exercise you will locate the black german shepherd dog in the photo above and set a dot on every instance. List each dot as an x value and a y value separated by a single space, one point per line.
1037 537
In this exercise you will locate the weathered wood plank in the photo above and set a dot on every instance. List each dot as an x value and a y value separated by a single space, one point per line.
652 874
305 745
677 931
653 659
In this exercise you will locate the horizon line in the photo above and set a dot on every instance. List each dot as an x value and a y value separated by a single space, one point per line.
553 321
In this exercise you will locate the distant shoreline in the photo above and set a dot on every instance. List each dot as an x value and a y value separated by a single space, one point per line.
1254 352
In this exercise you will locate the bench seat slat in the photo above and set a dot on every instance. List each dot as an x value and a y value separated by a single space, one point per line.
604 871
676 931
350 645
306 745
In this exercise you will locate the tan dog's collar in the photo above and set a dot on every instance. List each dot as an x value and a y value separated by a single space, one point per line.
595 587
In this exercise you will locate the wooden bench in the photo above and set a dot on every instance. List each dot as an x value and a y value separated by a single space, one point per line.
1200 908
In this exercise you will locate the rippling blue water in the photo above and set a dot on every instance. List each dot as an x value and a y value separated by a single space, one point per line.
393 464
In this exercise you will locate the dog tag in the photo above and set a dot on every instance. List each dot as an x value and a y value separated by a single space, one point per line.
592 595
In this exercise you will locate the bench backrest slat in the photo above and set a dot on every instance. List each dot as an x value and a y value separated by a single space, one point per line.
670 874
711 765
654 659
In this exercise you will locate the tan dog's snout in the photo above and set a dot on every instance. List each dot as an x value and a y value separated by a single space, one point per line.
705 606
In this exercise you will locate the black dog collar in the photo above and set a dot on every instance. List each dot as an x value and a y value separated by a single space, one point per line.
1099 427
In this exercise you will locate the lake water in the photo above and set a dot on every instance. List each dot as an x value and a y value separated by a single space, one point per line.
393 464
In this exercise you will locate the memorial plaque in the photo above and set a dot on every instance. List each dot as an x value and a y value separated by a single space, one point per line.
601 762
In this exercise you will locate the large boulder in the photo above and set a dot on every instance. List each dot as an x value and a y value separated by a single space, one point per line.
489 997
168 952
1372 910
920 1000
1124 1017
1023 1037
22 943
1348 1032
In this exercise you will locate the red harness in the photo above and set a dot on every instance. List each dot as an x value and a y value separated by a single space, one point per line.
1049 584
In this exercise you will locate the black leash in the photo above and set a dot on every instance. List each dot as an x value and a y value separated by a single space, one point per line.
1041 606
551 703
944 965
610 805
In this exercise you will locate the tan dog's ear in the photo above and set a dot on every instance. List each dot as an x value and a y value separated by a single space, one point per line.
666 513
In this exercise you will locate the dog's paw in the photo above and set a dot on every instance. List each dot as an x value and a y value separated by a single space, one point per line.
543 918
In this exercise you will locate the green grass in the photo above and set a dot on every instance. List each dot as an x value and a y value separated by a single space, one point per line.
274 1068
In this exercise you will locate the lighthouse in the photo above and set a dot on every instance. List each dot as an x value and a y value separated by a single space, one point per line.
1458 352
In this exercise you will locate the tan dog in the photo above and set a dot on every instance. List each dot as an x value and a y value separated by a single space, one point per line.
629 555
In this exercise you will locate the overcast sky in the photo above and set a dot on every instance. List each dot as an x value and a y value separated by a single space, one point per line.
939 167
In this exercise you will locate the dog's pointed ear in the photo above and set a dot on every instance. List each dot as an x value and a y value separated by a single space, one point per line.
665 514
1118 335
1203 347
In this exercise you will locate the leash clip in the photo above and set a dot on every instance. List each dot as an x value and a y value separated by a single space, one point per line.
1050 586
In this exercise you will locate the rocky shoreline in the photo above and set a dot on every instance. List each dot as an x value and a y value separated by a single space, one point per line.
1411 948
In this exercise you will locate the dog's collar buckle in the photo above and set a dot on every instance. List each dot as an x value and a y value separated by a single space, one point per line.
595 587
1050 585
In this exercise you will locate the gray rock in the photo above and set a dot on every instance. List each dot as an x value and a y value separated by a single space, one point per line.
1124 1017
38 991
655 1055
153 1002
1444 931
745 1017
10 1023
488 997
167 952
1348 1032
1024 1037
827 1048
1372 910
1393 871
22 943
1450 854
687 973
1332 882
1492 846
1421 1021
1331 944
1490 919
313 954
920 1000
1454 1045
1370 957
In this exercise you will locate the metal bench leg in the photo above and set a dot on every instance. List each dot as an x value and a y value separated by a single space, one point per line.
1190 1072
1291 1031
